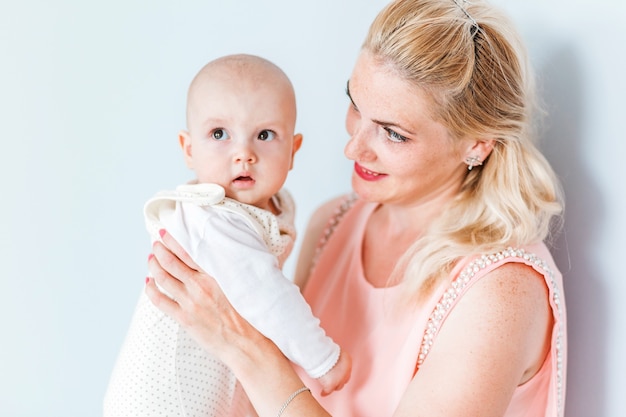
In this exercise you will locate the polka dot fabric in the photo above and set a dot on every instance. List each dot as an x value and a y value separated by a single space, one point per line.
157 376
279 231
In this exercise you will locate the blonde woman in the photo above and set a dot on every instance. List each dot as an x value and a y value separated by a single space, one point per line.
435 275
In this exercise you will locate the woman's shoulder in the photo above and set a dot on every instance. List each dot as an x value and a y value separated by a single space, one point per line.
511 283
317 225
496 334
334 207
512 276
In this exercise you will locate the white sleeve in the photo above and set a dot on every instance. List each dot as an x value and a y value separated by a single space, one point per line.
224 245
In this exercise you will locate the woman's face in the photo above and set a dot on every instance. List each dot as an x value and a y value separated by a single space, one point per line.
401 155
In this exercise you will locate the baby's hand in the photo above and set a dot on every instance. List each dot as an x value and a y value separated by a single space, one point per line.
337 377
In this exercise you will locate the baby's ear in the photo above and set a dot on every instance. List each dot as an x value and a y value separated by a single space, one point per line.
297 142
184 139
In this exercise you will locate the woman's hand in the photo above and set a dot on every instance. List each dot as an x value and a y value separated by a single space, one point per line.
197 302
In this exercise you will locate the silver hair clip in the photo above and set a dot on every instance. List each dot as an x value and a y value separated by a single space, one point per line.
472 161
469 16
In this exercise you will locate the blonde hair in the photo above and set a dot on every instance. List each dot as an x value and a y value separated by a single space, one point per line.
473 66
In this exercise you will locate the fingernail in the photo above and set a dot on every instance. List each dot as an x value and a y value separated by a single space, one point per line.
161 232
151 256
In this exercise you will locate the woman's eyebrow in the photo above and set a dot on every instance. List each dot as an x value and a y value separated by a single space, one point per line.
379 122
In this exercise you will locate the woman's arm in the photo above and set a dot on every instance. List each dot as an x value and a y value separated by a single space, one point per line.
199 305
312 235
495 338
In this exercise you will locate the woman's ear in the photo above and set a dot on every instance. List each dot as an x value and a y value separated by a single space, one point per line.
184 140
477 152
297 143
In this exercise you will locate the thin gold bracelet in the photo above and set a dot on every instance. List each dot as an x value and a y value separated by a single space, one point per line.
290 399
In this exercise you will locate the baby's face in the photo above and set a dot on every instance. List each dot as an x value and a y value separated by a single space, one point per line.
241 136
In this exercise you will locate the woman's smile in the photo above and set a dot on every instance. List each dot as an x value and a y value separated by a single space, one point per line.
366 174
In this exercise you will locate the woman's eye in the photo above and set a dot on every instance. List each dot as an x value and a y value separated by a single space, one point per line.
219 134
266 135
395 136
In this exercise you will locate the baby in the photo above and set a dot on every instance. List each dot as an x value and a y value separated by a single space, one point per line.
236 222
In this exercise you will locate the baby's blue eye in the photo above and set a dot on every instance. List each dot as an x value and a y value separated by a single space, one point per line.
266 135
395 136
219 134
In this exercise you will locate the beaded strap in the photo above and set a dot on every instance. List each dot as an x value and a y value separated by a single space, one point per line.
332 224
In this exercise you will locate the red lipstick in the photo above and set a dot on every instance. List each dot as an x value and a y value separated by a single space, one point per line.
366 174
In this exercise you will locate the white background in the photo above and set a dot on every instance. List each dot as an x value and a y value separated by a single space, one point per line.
92 96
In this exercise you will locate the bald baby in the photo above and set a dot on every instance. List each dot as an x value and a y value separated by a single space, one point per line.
243 74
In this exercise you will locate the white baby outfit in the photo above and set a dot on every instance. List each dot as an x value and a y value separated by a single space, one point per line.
161 370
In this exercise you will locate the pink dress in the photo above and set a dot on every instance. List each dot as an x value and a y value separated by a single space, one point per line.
387 345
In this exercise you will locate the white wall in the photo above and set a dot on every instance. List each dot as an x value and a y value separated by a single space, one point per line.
91 99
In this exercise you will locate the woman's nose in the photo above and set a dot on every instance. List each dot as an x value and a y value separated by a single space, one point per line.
357 148
353 149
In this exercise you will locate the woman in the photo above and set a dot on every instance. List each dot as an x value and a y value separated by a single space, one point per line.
434 277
